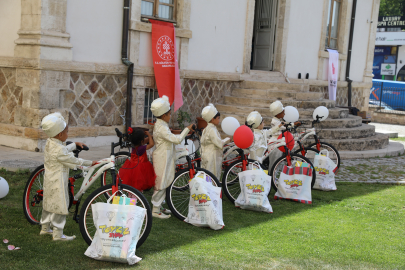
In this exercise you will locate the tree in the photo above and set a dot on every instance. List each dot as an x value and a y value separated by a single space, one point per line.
392 8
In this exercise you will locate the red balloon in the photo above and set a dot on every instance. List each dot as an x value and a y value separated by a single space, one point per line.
243 137
289 138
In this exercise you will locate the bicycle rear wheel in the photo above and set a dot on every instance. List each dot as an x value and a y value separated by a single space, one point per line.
278 167
120 159
333 153
87 226
178 193
230 178
33 195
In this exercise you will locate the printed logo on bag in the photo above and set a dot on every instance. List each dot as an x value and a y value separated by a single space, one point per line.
322 170
114 231
255 188
165 48
293 183
201 198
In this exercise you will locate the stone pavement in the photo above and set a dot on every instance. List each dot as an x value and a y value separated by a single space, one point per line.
373 170
390 128
13 159
389 170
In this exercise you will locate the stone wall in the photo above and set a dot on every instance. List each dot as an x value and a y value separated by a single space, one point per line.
197 93
387 117
360 96
95 99
11 95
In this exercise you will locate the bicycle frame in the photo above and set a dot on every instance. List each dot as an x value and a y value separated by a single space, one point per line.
89 178
274 145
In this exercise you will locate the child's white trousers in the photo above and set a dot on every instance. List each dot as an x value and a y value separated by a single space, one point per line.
55 220
158 197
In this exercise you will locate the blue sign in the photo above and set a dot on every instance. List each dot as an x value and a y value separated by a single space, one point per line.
380 50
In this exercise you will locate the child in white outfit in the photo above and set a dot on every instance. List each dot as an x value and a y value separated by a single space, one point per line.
259 146
277 110
58 159
163 155
211 142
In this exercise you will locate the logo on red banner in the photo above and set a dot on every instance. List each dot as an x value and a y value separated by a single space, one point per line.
165 48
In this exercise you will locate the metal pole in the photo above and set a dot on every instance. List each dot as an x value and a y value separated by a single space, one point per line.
382 84
349 55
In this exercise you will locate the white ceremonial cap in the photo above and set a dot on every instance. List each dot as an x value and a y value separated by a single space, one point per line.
276 107
254 119
53 124
160 106
209 112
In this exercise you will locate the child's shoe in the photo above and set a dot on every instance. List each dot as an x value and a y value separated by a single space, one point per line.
46 229
156 212
59 236
165 211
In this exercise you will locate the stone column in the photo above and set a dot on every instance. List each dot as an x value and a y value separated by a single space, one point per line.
43 31
42 37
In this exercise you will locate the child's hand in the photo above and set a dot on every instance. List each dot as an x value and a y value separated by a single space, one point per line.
298 123
94 163
79 144
147 133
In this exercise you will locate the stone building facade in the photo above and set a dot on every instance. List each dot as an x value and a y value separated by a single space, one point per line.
60 55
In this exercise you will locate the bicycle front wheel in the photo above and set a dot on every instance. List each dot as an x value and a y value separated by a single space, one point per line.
333 153
87 226
308 152
230 178
278 167
178 193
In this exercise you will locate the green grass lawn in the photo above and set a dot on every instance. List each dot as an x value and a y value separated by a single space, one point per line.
360 226
399 139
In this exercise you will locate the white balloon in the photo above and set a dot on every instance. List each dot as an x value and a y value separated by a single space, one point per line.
291 114
230 125
321 111
3 187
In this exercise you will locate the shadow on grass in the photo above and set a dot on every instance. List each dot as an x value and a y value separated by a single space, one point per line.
40 252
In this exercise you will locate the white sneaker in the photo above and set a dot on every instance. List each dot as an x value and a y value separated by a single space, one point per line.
59 236
165 211
160 215
46 229
157 213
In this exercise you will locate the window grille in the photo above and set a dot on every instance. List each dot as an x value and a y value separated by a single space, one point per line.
150 95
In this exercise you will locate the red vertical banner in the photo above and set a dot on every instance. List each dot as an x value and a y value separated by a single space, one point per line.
165 62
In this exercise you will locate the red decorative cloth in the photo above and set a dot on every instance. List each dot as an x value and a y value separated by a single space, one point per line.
138 172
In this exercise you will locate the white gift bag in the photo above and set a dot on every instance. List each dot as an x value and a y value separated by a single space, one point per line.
118 229
205 207
325 171
294 184
255 186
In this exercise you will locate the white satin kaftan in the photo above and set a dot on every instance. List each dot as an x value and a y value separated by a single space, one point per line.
212 150
259 146
164 154
58 160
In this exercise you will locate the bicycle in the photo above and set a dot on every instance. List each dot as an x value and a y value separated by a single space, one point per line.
33 195
195 156
230 178
178 193
317 145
